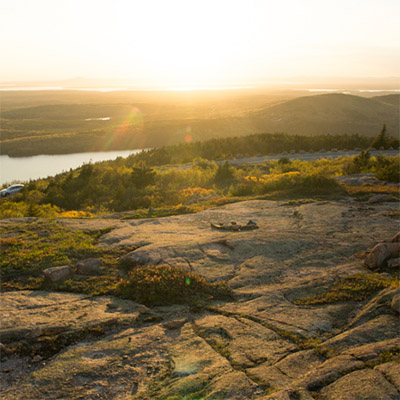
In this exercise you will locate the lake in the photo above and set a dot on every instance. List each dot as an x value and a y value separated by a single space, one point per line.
22 169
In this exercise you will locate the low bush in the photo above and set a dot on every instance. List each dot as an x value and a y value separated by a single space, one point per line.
10 209
385 168
388 169
294 183
165 285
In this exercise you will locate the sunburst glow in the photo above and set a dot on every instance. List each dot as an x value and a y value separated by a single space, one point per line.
181 43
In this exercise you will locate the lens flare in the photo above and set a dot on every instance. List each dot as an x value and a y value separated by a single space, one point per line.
130 124
188 137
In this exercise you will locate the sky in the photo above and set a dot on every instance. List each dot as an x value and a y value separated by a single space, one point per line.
198 42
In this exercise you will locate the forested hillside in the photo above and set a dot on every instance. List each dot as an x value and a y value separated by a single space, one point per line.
70 123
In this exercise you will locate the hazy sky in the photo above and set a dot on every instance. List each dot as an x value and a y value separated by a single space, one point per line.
198 42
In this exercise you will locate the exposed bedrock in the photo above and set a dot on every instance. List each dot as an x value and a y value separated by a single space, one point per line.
278 338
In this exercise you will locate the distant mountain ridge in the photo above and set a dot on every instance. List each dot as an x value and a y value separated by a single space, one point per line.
333 113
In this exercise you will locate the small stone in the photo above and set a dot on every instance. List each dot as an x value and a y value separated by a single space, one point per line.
37 358
175 324
89 266
153 318
380 198
143 309
58 274
34 333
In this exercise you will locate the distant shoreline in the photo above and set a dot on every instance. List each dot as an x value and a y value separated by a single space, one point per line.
122 89
177 89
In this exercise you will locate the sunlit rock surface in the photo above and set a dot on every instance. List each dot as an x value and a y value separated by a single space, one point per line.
260 345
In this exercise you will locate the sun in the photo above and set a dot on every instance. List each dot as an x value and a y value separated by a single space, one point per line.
183 45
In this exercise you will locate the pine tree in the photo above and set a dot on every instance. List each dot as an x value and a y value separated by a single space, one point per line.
380 140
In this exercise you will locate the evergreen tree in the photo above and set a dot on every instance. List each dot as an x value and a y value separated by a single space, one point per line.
380 140
224 174
142 175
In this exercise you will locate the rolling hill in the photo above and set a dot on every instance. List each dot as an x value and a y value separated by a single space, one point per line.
124 123
393 99
334 113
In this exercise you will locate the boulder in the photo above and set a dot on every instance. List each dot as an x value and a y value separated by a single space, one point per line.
141 257
396 302
394 263
58 274
90 266
380 198
381 253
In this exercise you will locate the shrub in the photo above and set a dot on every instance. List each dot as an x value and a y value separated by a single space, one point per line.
164 285
360 163
284 160
295 184
388 168
14 209
242 189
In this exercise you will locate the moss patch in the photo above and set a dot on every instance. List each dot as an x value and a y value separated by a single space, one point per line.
357 287
29 248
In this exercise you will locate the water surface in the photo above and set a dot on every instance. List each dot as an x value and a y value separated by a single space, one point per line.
21 169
